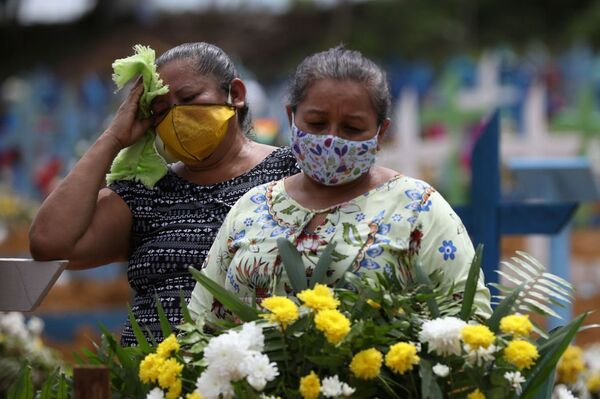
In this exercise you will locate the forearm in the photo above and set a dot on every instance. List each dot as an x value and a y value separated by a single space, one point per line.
66 214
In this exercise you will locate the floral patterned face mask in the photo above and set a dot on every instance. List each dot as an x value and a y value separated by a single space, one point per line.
332 160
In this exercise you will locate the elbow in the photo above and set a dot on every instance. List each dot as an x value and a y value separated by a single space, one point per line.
43 247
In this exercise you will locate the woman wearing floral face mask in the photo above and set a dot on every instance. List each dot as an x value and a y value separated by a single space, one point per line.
202 122
338 110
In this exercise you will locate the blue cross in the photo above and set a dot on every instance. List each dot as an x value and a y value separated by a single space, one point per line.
488 217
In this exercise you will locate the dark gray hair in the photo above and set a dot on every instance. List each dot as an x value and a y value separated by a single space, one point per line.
340 63
212 61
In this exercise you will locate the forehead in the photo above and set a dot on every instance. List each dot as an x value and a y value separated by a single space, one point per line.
328 93
181 72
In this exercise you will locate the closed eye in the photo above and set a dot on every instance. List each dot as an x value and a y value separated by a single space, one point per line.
188 99
318 125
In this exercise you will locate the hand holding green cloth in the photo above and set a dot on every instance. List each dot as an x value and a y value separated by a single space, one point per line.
140 161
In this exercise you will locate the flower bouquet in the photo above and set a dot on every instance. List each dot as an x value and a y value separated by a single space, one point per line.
391 335
388 336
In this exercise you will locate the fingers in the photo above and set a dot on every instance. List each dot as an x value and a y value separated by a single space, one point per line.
146 123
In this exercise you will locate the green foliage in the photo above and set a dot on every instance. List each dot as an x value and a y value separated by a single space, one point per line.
231 302
471 285
292 262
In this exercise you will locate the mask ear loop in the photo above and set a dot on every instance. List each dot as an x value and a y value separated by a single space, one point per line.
228 102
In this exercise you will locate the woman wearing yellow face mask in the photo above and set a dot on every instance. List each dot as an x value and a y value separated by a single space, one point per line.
202 123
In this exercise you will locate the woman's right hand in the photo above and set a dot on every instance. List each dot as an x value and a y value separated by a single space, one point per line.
125 127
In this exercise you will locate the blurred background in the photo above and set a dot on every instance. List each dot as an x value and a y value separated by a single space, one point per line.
450 64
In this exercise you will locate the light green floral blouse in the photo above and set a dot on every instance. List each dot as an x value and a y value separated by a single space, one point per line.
373 232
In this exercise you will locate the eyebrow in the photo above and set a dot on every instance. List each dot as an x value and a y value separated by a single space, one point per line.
359 116
186 87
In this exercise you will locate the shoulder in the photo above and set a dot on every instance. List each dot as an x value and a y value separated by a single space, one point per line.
412 188
281 156
254 200
128 188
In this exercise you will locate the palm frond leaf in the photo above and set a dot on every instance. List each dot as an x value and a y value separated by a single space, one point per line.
541 291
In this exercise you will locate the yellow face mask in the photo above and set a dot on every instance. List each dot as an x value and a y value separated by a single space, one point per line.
191 133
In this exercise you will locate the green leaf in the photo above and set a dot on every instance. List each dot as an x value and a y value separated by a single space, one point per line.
429 386
231 301
46 391
548 360
545 390
165 326
292 262
471 285
126 361
504 308
137 331
185 311
322 265
328 361
63 390
423 279
22 388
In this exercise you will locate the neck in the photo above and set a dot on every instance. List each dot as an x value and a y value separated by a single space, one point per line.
323 193
227 152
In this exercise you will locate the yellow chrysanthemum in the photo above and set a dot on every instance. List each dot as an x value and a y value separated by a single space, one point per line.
366 364
477 336
516 324
593 383
193 395
373 304
333 324
319 298
521 353
169 373
150 368
476 394
168 346
283 310
402 357
310 386
174 390
570 365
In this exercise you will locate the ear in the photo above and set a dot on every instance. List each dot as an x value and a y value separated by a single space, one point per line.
288 110
238 93
382 131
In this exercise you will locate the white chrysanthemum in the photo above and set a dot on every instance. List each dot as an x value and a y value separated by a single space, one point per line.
13 324
224 354
347 390
259 370
561 392
479 356
441 370
442 335
515 379
331 386
591 356
35 325
156 393
211 385
252 336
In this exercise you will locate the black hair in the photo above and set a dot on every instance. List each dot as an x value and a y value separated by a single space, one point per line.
340 63
210 60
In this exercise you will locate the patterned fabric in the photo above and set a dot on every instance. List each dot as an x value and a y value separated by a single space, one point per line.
330 159
174 226
374 233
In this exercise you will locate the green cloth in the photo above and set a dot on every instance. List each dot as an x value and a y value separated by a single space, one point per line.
140 161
